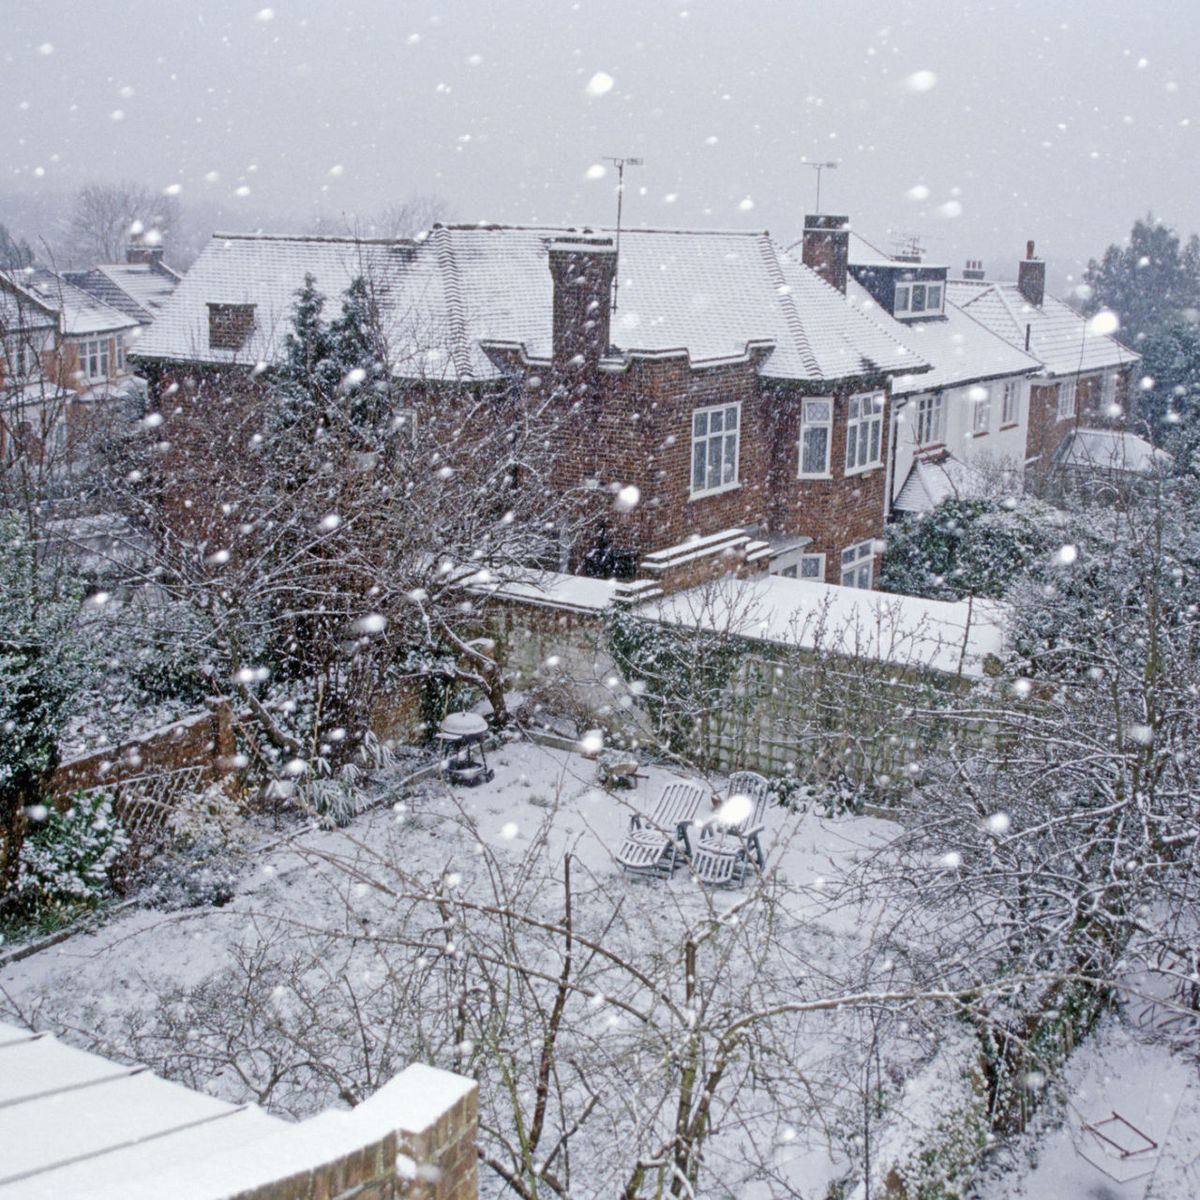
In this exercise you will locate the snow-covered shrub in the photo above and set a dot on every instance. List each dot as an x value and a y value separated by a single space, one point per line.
204 855
679 677
202 872
67 859
334 801
934 1135
965 548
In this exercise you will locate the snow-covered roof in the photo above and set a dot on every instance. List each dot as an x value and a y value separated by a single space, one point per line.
75 1124
1064 342
909 632
463 288
21 309
930 481
81 313
139 290
960 349
1110 450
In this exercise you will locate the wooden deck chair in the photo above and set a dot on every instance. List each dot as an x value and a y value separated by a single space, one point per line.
722 850
654 840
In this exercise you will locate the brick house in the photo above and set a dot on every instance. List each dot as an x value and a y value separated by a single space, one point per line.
63 360
732 385
963 426
1086 375
138 287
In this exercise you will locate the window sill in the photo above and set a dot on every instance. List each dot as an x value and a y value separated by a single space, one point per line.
1006 428
827 477
728 487
981 433
849 472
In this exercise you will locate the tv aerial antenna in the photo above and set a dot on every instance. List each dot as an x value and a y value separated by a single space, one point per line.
620 163
819 167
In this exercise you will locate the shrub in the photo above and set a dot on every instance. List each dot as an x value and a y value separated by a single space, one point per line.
67 860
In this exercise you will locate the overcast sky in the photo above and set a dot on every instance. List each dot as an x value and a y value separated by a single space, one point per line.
972 125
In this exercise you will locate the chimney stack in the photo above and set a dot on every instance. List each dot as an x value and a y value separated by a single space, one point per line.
827 247
583 269
139 250
1031 277
973 269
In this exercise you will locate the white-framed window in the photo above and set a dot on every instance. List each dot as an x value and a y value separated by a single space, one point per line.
981 416
93 358
120 344
913 299
816 426
931 420
864 432
715 448
858 565
1066 401
1010 403
796 564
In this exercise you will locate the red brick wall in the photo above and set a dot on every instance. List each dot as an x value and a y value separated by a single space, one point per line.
635 427
203 740
1046 431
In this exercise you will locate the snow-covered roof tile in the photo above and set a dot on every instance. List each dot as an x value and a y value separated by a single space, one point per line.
81 313
136 289
707 294
960 348
1064 342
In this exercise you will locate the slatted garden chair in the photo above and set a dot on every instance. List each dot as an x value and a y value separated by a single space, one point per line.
723 849
652 845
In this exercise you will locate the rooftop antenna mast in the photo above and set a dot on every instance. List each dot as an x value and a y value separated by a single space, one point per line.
620 164
819 167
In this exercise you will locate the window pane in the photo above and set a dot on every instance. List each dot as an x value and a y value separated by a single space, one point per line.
731 417
815 450
918 297
788 573
935 298
876 426
698 467
810 566
864 576
716 422
851 445
849 555
731 449
901 299
714 462
700 424
816 410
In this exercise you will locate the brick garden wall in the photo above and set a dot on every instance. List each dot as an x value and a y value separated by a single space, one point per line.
202 740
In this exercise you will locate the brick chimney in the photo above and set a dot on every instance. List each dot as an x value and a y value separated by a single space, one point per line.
973 269
140 251
583 269
1031 277
827 247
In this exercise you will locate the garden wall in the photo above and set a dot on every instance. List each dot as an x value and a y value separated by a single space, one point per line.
784 710
204 740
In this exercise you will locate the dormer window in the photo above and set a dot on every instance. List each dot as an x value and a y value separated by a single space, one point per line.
229 325
918 299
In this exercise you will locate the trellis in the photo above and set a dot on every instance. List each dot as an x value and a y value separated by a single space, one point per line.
144 803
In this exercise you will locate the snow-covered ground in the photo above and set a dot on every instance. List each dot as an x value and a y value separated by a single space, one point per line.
108 988
1116 1070
318 898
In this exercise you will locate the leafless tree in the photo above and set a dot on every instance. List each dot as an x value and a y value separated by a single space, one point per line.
104 215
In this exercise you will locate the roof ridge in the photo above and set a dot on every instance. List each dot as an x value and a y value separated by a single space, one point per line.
791 317
456 307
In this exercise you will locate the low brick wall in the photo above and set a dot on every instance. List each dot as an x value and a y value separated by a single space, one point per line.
422 1128
203 740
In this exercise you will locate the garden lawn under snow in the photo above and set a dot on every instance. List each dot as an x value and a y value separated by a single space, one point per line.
119 989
